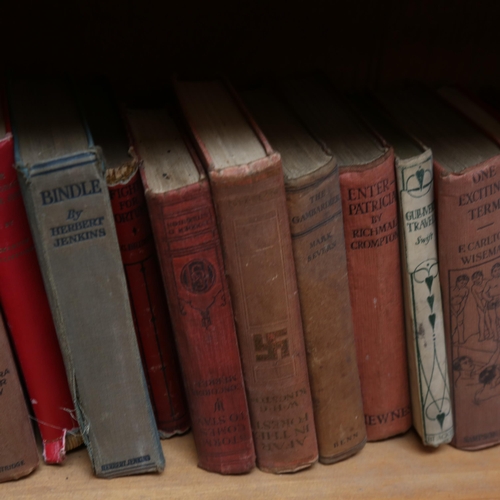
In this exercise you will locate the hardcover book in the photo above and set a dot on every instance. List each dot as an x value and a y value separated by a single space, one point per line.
142 270
188 244
466 164
247 184
18 451
369 204
34 336
429 381
315 214
64 189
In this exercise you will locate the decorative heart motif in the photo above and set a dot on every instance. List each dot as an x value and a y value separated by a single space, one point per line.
432 319
430 301
440 418
420 177
429 281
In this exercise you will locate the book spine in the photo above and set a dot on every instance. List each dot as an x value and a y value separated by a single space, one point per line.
191 259
315 212
148 303
18 452
72 224
469 257
428 370
250 203
33 334
369 203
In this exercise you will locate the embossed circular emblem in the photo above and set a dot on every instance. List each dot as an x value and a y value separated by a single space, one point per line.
198 276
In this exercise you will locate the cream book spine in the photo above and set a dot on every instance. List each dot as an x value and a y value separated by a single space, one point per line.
430 386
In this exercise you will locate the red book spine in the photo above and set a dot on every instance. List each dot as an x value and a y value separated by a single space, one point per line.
193 271
369 204
149 305
27 312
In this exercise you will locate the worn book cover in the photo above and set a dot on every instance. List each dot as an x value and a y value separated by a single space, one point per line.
34 336
64 189
466 163
18 450
315 214
369 207
248 190
189 247
142 269
427 363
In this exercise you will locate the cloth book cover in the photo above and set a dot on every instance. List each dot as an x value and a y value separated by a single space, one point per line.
64 189
248 190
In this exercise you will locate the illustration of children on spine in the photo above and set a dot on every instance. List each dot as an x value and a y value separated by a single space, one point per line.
459 295
477 289
491 293
464 366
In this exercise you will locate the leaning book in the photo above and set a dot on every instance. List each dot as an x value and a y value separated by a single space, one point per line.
64 189
425 338
466 164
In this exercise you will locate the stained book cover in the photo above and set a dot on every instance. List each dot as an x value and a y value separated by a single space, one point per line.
315 215
34 335
189 248
466 170
18 450
250 203
427 363
432 409
142 269
62 179
369 209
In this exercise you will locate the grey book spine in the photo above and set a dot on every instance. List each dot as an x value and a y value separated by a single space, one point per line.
72 224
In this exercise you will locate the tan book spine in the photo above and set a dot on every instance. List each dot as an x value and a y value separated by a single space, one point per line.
18 451
251 206
315 211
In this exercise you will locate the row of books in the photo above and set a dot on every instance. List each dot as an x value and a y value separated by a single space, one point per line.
292 232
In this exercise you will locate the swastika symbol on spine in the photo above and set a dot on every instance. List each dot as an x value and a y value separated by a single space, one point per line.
271 346
198 276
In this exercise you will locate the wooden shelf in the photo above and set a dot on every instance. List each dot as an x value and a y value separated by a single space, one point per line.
394 469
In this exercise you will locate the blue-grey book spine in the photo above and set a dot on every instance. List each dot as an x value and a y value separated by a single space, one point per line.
72 223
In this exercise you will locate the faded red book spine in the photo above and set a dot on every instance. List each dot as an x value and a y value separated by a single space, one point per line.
149 305
369 203
27 313
193 271
469 258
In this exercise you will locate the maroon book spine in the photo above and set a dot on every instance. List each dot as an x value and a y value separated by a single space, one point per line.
191 259
149 304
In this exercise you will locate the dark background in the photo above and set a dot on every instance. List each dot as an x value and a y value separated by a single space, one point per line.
138 44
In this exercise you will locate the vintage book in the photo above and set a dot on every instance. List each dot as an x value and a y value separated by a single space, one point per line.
315 214
425 339
34 336
188 244
64 189
18 450
369 204
247 184
140 261
466 166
